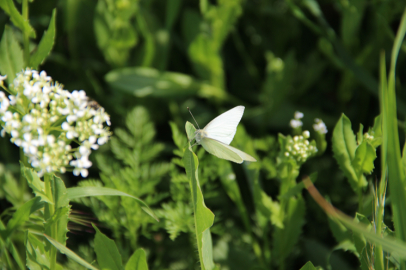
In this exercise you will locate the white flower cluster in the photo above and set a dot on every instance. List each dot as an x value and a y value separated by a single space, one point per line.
369 137
44 119
299 148
296 122
319 126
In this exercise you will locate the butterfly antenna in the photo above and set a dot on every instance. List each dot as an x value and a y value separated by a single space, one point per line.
193 117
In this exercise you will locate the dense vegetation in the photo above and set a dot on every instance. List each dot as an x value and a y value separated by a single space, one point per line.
294 65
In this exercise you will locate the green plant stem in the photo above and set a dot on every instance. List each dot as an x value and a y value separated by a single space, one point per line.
49 212
26 34
149 40
380 199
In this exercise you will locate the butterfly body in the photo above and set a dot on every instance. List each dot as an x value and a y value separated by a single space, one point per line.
216 136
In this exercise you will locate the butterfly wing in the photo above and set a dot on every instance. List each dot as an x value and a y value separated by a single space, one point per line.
225 151
223 127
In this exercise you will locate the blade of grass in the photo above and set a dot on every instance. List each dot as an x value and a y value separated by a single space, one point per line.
390 134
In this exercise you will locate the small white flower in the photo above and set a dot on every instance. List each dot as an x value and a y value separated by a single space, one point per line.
298 115
319 126
294 123
306 134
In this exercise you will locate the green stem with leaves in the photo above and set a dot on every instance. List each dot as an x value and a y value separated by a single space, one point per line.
49 212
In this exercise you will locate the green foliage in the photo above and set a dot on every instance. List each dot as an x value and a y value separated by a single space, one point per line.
203 217
138 261
107 253
145 62
132 171
11 55
45 46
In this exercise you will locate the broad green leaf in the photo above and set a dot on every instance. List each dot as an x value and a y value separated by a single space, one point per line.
364 158
108 256
344 146
21 216
190 130
35 183
45 45
79 192
72 255
15 16
308 266
37 257
138 261
203 217
11 54
285 239
142 82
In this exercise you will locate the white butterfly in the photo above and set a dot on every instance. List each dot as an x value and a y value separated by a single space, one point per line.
216 136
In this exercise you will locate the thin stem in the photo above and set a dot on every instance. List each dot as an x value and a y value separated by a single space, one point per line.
49 212
26 34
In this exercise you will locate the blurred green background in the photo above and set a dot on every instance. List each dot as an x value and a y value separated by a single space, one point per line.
274 57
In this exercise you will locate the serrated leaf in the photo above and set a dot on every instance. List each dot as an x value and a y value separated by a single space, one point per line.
72 255
344 146
108 256
138 261
36 257
35 183
17 19
364 158
11 55
79 192
45 45
203 217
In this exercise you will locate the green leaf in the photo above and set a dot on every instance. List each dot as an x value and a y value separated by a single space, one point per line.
308 266
107 253
17 19
45 45
138 261
204 218
364 158
37 257
35 183
365 253
21 216
286 238
142 82
79 192
72 255
344 146
190 130
11 55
